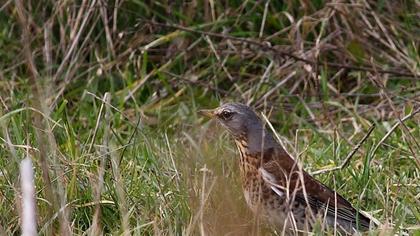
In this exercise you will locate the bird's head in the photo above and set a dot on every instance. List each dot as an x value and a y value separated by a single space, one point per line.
237 118
244 124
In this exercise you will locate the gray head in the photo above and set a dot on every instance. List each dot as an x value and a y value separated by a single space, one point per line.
237 118
243 123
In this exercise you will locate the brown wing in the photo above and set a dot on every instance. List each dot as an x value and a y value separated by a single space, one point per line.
285 173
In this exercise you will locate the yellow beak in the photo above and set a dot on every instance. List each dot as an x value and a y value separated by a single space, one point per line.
207 112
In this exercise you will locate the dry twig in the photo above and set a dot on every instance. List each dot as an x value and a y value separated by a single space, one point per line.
393 129
349 156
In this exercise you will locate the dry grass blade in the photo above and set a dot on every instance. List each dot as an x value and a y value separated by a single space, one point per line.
38 121
77 32
28 198
120 189
205 193
96 228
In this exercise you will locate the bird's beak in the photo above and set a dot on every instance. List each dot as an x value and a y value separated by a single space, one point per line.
207 112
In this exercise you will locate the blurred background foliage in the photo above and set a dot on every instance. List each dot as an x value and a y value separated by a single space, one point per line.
322 71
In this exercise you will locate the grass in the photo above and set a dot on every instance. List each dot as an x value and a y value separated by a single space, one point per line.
103 97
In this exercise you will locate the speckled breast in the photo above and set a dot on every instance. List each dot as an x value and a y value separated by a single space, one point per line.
259 197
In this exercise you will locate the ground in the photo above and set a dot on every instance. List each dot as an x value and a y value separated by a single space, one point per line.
103 97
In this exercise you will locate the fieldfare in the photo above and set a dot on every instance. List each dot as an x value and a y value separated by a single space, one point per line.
276 187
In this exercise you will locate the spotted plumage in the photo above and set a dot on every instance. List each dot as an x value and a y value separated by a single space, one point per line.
275 186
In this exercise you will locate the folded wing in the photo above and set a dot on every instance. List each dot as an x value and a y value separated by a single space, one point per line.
285 178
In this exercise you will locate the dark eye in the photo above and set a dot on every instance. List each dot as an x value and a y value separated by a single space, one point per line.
226 115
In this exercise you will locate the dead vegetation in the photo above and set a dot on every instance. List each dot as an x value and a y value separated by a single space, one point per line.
336 67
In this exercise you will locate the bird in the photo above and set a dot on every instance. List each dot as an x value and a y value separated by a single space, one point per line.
276 187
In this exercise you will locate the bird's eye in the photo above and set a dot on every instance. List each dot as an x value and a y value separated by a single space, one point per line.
226 115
